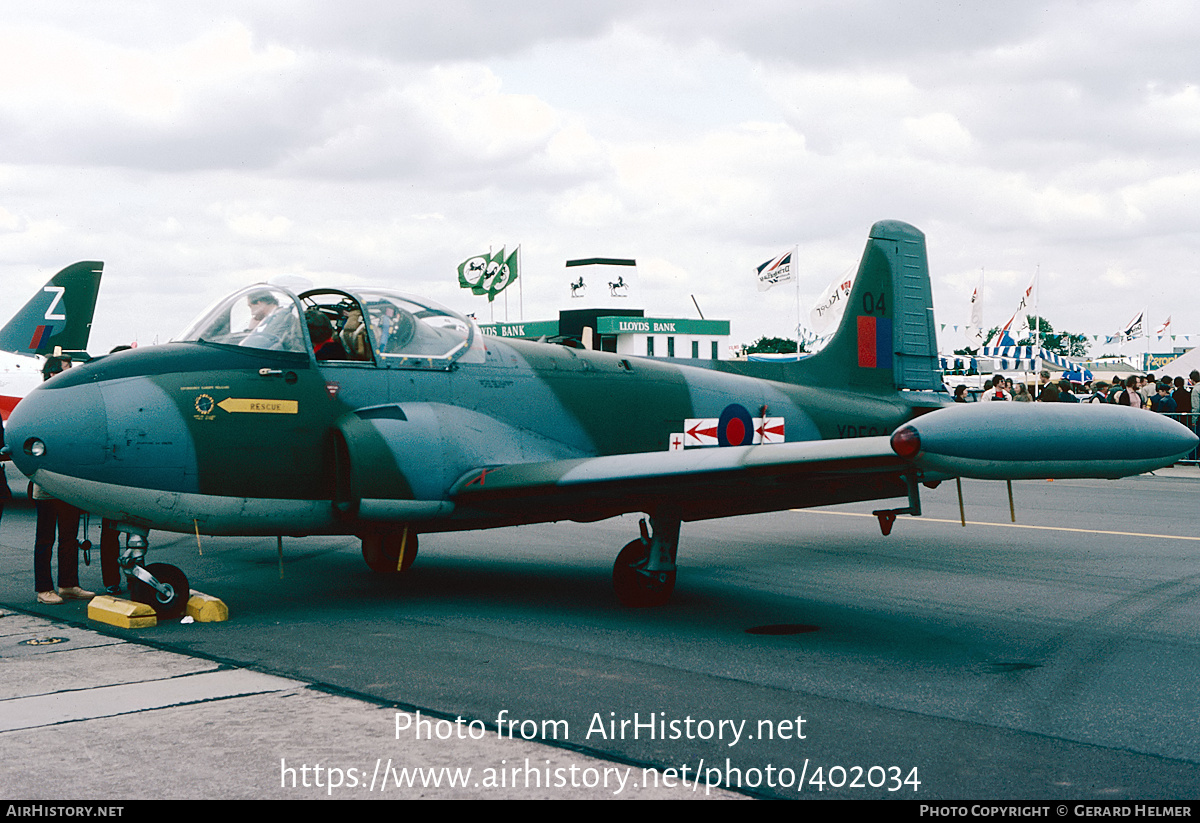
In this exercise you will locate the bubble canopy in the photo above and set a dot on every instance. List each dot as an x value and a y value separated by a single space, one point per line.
368 326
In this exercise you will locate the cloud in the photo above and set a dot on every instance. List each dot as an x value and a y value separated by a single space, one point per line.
449 122
419 33
196 147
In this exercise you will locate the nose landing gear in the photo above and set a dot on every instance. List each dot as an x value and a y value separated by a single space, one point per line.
160 586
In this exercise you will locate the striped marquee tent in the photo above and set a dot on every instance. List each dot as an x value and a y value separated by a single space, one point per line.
1017 358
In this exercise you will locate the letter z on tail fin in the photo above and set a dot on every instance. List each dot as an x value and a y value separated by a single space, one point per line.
887 339
60 314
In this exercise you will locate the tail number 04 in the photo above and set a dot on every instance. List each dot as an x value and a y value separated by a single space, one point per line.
874 303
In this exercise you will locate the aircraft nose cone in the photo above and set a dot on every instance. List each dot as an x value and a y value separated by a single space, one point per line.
58 429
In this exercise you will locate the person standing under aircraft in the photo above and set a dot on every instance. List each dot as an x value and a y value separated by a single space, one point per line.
56 516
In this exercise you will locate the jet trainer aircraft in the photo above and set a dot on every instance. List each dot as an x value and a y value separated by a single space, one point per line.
59 316
417 423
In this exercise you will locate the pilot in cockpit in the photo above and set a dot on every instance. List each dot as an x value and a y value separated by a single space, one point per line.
261 304
353 332
325 345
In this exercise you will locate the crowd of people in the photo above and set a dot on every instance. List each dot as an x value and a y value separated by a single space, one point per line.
1164 395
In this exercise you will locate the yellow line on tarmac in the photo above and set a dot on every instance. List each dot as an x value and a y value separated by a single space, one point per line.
1008 525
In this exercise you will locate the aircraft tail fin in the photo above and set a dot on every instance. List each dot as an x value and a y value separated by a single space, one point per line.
60 314
887 337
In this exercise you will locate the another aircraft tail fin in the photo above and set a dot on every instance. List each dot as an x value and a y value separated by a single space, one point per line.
887 339
60 314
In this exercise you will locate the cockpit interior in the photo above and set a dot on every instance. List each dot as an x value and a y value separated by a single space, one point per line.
376 326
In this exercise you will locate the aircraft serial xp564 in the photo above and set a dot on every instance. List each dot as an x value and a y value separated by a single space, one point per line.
426 425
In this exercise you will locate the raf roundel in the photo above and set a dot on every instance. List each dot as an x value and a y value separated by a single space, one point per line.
736 426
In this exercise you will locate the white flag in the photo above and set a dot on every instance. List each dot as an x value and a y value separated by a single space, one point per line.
1133 328
975 328
1027 296
776 270
831 305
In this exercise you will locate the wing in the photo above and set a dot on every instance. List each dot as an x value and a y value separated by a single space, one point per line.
701 483
992 441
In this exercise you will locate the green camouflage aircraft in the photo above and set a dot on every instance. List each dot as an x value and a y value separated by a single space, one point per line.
411 421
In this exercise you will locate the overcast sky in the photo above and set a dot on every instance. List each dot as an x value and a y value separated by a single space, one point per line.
196 148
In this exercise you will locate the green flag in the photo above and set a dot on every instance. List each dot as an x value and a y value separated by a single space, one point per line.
488 274
506 274
471 271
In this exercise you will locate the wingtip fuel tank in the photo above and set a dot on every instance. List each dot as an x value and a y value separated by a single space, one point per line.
1016 441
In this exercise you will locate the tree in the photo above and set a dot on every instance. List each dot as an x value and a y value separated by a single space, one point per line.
772 345
1063 343
988 335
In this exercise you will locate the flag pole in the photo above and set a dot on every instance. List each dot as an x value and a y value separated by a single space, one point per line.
983 286
796 277
1146 327
1037 299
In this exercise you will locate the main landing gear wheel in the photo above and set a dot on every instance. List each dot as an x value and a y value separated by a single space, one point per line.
170 606
635 587
390 553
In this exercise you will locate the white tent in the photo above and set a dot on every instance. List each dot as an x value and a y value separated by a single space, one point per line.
1182 365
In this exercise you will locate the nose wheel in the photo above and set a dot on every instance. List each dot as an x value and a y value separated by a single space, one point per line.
169 598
